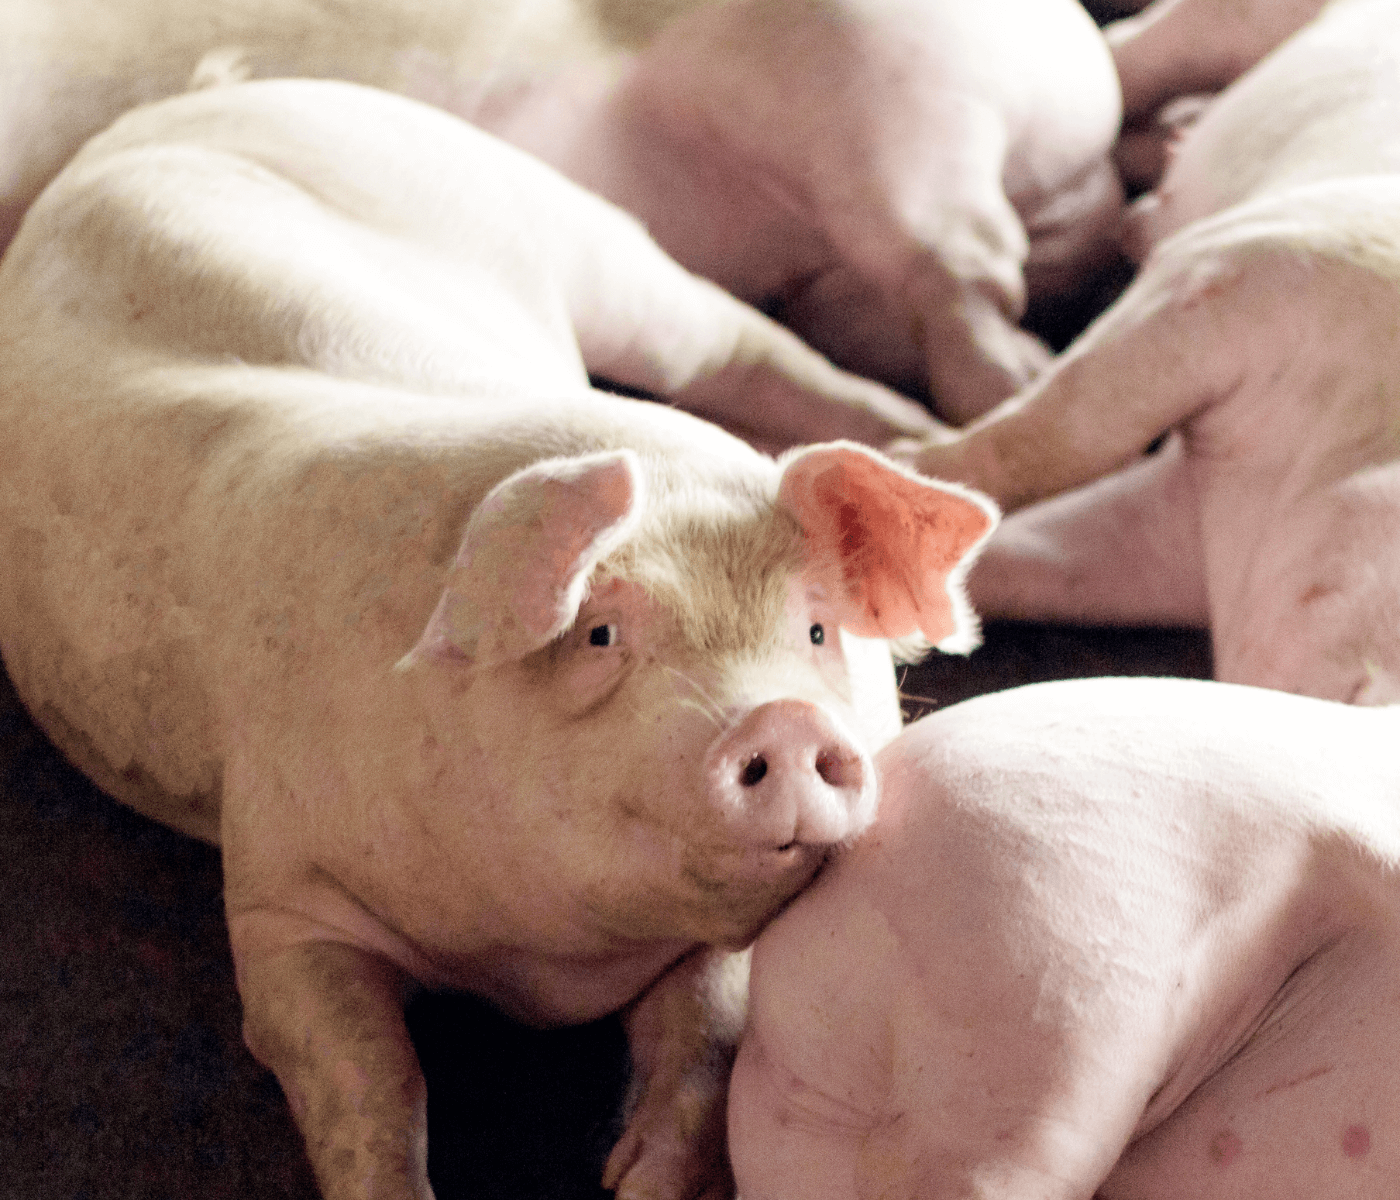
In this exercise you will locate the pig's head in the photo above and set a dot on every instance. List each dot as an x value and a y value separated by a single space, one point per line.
667 682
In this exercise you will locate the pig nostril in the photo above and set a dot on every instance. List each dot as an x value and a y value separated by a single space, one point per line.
837 770
754 770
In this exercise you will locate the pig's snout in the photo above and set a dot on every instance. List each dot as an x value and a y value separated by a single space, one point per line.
787 774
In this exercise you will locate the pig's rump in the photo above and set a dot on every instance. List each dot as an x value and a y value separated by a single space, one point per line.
1132 938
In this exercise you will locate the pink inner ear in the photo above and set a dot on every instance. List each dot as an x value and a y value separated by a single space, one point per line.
892 545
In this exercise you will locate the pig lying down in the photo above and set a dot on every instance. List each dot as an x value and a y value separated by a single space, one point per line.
293 390
1175 55
1264 329
889 174
1113 938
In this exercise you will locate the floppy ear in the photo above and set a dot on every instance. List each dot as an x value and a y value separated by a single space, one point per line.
889 546
527 554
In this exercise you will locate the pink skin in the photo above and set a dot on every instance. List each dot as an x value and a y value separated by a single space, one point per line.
325 550
1185 51
788 759
1260 334
889 174
1113 938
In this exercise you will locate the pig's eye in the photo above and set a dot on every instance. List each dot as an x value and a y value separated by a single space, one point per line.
603 635
817 634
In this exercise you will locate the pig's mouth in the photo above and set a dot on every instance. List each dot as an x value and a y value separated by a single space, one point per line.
750 884
723 865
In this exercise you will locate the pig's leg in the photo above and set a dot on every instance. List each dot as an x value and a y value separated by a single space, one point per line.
1167 348
1124 550
327 1018
643 321
682 1033
837 174
1312 1098
1175 55
937 254
1319 606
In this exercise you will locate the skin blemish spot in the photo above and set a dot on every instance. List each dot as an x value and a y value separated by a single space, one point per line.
1225 1147
1315 593
1356 1141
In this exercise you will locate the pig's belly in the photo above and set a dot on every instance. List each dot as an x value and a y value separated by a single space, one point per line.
123 705
1309 1108
195 811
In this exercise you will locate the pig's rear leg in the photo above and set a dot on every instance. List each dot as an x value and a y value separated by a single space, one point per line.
1185 47
931 257
951 338
1319 612
1124 550
1310 1106
644 322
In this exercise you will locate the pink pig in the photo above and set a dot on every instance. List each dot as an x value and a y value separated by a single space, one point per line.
1134 939
1264 332
1175 54
293 389
889 175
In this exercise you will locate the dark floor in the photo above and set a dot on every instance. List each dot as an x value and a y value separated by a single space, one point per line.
122 1073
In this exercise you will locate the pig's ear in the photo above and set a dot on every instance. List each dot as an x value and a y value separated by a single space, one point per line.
526 556
890 547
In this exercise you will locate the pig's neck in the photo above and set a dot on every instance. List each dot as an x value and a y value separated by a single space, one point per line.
549 989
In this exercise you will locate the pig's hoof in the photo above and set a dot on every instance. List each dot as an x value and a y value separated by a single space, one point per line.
907 450
672 1152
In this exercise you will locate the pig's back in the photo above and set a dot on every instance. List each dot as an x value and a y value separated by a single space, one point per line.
236 455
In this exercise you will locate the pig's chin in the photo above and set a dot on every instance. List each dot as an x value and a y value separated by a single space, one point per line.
747 886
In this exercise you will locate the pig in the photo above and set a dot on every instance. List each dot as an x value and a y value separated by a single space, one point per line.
320 546
1175 54
1261 341
888 176
1120 938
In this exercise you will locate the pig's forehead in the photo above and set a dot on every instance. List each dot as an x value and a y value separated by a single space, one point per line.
723 573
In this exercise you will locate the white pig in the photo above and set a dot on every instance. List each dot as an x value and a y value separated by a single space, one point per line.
1106 938
1264 329
890 175
293 389
878 171
1175 54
